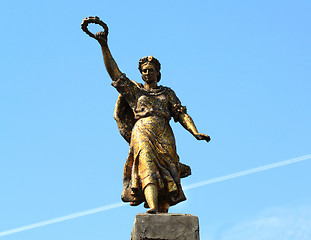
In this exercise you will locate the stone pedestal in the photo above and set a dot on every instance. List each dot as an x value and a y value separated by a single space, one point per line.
166 226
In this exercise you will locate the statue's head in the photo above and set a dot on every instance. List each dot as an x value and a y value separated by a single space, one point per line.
149 63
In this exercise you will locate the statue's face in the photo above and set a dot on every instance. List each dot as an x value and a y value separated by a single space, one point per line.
149 74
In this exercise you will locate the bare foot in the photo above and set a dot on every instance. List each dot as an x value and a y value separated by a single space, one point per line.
152 211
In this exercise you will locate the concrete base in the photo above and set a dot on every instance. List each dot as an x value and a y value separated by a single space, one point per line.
166 226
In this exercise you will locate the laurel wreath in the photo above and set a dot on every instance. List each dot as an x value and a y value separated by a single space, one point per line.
86 21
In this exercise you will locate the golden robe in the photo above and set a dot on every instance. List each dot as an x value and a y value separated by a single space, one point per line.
143 119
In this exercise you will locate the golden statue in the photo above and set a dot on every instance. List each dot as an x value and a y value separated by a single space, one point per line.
152 170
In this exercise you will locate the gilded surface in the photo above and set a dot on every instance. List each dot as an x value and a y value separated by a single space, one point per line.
152 170
152 157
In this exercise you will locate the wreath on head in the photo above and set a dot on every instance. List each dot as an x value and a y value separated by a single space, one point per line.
150 59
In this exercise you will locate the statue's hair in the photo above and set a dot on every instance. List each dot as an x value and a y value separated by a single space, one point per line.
150 59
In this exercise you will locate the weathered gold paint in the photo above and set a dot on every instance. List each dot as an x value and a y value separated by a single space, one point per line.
152 170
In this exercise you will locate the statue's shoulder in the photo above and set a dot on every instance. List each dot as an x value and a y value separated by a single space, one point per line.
139 85
166 89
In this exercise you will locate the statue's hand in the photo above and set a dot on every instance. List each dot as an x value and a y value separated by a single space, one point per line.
101 37
201 136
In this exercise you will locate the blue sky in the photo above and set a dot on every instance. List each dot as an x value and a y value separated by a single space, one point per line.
243 70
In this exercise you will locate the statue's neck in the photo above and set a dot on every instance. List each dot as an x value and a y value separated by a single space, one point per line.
150 86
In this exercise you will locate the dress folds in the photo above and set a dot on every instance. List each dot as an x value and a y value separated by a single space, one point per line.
143 120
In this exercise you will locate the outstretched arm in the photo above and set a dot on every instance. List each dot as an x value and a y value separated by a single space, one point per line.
111 66
187 122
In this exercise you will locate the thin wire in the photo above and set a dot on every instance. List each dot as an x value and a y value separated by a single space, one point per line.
121 204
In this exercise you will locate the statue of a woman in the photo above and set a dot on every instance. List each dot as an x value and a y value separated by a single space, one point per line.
152 170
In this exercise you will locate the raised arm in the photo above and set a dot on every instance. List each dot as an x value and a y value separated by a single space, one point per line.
111 66
187 122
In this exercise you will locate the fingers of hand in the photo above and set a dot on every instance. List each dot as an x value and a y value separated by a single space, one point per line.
207 138
100 34
202 136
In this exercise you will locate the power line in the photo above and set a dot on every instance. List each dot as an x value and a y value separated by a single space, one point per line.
121 204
